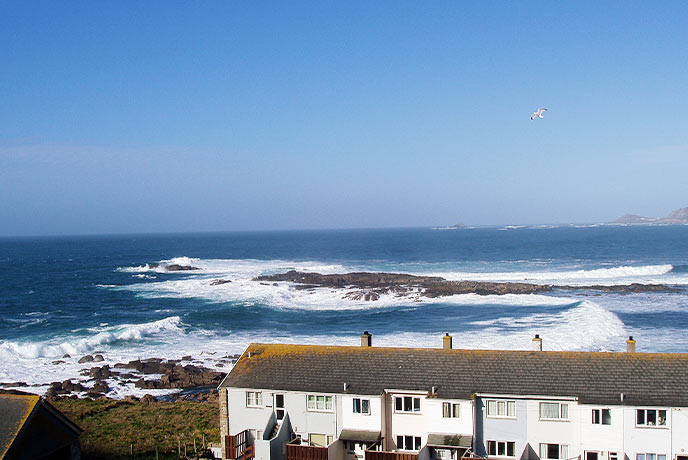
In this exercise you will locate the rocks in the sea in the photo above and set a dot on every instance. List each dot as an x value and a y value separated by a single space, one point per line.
100 387
362 295
187 358
98 358
66 355
371 285
59 361
100 373
219 282
179 268
86 359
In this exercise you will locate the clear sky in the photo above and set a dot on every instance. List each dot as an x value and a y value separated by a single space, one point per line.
194 116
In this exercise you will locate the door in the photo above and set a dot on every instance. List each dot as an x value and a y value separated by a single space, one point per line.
279 406
592 455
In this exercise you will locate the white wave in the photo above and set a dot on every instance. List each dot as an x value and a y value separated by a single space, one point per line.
614 275
104 335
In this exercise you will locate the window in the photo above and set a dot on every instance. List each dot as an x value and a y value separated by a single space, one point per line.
613 456
497 408
450 410
648 456
320 440
501 448
409 443
254 399
406 404
554 451
321 403
554 411
650 417
601 416
361 406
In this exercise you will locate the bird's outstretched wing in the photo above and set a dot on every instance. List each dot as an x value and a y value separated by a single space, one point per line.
540 110
533 115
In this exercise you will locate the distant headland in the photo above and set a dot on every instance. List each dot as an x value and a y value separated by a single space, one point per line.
679 216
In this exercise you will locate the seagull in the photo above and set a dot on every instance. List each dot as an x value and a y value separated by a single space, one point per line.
538 114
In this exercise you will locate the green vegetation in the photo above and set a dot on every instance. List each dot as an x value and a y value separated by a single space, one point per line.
116 428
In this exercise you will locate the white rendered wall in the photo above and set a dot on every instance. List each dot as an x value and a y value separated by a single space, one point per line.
554 431
639 439
679 431
601 438
372 422
409 423
502 428
436 423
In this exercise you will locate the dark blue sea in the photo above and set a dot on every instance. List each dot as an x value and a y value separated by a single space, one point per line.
115 295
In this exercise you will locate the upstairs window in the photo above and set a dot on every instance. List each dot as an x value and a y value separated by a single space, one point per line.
406 404
361 406
650 456
650 417
496 408
554 411
254 399
320 403
601 416
501 448
450 410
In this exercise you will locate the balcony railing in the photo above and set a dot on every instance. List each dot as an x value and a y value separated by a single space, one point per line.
296 451
238 447
372 454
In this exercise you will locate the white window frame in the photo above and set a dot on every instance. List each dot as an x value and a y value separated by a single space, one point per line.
415 440
453 409
415 408
562 411
362 403
254 399
645 423
646 456
562 448
502 408
505 445
600 416
313 401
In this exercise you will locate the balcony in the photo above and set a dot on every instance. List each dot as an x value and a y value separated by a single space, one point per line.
373 454
238 447
298 451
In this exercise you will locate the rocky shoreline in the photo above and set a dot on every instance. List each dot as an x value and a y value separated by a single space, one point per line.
369 286
193 382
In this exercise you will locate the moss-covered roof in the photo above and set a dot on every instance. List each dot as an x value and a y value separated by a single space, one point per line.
593 377
15 409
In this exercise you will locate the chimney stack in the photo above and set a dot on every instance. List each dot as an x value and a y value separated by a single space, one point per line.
630 345
366 339
447 341
537 343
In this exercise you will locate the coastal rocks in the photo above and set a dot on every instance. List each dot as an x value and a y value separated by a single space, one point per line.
85 359
362 295
100 373
179 268
371 285
98 358
219 282
174 375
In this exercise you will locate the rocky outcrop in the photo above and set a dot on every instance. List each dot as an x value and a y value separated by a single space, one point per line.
174 375
219 282
369 286
180 268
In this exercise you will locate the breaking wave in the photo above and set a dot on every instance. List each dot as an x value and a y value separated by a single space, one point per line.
101 336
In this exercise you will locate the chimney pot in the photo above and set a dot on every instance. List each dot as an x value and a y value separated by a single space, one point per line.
630 344
537 343
366 339
447 342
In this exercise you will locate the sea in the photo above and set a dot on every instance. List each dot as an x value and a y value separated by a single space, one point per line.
64 297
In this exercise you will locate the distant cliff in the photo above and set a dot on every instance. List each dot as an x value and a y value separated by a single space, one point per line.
679 216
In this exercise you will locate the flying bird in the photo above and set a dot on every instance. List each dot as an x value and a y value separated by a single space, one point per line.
538 114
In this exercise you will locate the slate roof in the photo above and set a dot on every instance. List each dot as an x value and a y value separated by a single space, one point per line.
652 379
15 409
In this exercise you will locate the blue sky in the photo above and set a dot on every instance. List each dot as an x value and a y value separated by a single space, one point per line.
170 116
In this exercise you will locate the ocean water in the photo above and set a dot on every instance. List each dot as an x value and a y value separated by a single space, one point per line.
80 295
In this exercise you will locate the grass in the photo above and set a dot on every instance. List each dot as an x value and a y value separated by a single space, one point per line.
114 428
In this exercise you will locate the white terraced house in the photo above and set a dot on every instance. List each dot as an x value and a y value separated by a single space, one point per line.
306 402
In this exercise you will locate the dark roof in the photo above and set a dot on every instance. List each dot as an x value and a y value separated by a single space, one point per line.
593 377
450 440
15 409
27 417
359 435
